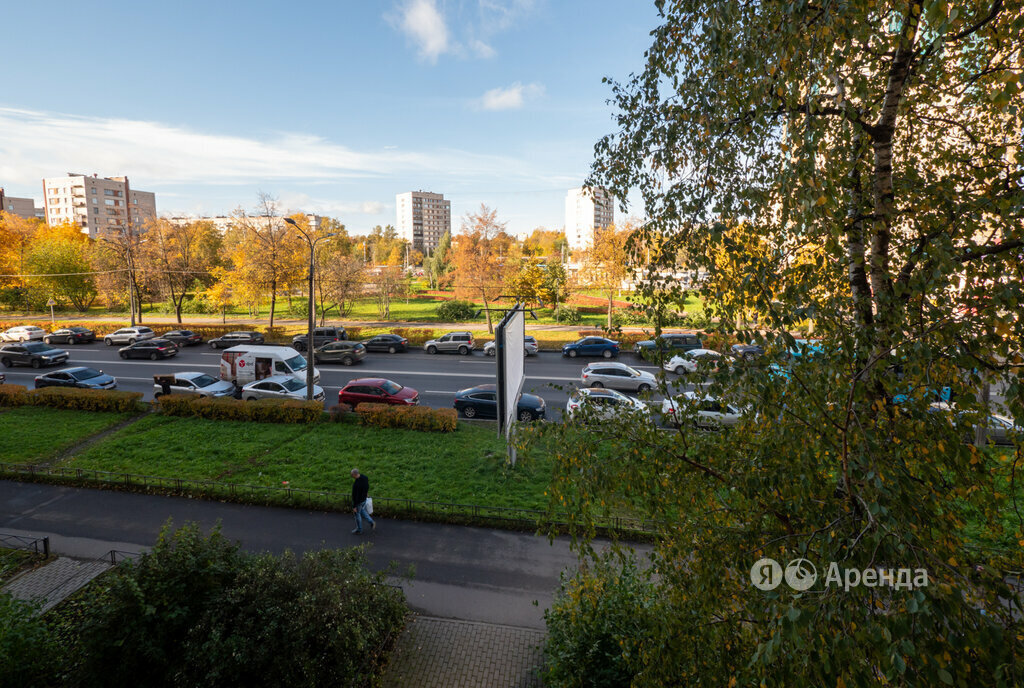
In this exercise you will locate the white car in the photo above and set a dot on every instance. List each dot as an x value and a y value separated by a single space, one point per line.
279 387
709 413
617 376
688 362
195 384
530 347
129 335
604 404
23 333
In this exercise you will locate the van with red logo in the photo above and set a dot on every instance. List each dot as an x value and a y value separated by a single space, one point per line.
244 364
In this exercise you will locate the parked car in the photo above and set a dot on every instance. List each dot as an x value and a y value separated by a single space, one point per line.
391 343
247 363
670 342
709 413
530 347
35 354
279 387
689 362
183 337
71 335
129 335
345 353
748 352
603 404
152 349
617 376
3 378
591 346
453 342
192 383
321 335
80 377
235 338
999 430
375 390
482 402
22 333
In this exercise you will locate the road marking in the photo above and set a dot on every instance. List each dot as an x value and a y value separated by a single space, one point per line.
436 391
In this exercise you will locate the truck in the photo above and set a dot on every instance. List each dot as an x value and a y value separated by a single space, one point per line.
247 363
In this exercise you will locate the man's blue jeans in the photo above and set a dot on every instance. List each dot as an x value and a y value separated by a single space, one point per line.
361 514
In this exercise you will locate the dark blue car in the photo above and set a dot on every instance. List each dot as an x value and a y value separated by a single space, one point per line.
84 378
482 402
591 346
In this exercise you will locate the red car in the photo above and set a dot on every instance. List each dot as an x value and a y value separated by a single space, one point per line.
376 390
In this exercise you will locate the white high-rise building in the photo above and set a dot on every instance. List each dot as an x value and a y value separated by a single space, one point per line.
96 204
422 218
587 210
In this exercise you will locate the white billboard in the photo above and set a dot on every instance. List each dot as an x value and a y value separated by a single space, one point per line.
511 352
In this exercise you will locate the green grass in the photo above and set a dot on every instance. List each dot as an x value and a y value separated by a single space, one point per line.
12 561
467 466
30 433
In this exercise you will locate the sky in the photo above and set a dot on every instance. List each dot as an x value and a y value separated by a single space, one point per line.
332 107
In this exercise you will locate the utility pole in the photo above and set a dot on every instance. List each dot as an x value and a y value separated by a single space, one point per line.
131 259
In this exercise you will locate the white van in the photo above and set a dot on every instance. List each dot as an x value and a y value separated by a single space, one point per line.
247 363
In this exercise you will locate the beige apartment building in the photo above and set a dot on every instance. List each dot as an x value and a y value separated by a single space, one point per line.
22 207
97 204
587 210
422 218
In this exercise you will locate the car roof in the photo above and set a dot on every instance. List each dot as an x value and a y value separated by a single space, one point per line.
376 381
73 369
478 388
190 374
600 392
610 364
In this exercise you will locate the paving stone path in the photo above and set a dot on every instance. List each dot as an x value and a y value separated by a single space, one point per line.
436 653
52 583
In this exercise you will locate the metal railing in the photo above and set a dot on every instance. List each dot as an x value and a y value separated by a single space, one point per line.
321 499
39 545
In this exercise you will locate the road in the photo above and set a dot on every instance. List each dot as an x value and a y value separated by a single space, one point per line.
436 377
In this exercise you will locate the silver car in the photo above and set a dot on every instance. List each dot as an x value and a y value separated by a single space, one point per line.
453 342
279 387
22 333
617 376
603 404
530 347
709 413
129 335
195 384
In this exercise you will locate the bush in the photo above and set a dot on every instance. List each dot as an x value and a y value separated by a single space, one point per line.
338 412
411 417
27 647
114 400
567 315
456 311
13 395
196 611
227 408
595 624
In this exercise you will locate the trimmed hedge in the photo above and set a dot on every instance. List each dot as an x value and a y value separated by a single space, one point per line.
226 408
411 417
74 399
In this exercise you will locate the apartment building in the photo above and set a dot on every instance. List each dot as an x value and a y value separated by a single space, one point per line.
587 210
223 223
23 207
422 218
97 204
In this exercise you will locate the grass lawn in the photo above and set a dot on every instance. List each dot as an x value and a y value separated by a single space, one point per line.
466 467
12 561
31 433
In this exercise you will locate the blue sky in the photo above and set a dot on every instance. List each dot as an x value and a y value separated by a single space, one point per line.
333 107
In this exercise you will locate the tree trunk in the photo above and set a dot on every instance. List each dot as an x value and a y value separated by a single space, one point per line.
490 326
273 300
610 293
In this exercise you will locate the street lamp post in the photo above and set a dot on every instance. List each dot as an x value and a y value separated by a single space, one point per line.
311 359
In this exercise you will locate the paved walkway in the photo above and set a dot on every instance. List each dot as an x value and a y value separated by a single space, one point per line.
445 653
52 583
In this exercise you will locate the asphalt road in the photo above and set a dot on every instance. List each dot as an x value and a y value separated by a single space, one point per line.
436 377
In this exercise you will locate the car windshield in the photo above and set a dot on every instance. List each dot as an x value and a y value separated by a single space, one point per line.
204 380
631 371
292 385
36 347
391 387
296 362
85 374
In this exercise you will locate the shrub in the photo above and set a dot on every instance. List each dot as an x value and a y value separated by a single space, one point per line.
596 623
338 412
456 311
411 417
567 315
27 647
13 395
226 408
118 401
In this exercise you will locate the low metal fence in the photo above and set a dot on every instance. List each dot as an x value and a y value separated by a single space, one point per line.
39 545
319 499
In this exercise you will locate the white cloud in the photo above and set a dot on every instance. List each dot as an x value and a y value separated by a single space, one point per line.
481 49
421 21
510 98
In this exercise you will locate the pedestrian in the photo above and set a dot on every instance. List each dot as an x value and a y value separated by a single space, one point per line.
360 490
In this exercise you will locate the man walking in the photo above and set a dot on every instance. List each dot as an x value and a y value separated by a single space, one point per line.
360 490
